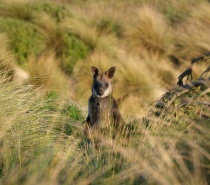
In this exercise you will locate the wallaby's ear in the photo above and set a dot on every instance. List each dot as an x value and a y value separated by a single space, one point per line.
110 72
94 71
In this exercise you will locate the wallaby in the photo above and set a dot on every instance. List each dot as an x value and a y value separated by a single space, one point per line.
102 107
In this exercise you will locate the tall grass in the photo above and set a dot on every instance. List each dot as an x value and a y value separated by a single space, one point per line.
45 73
195 41
149 31
7 61
32 133
169 146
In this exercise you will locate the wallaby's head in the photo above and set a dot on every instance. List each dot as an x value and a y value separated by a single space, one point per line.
102 82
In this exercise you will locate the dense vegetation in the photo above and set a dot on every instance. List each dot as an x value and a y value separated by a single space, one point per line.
46 50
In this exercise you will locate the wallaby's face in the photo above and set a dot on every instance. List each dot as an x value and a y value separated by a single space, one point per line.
102 83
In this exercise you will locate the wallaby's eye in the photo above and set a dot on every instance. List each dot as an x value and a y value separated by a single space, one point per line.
106 84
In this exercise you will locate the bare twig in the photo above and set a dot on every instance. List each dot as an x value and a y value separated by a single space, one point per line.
188 71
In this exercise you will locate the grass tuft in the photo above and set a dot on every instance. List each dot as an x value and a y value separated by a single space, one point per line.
149 31
45 73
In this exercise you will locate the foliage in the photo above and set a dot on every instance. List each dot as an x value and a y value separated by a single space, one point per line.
25 30
23 38
74 50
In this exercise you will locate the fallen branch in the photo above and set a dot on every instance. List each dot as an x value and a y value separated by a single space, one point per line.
188 71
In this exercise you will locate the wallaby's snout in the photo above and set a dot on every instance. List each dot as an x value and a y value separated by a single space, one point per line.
101 87
100 92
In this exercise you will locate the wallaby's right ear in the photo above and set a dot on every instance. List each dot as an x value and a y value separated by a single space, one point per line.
94 71
110 72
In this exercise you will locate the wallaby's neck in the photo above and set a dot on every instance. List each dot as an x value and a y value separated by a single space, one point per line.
104 98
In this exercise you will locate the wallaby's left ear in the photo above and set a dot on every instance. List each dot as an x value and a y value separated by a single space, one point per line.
110 72
94 71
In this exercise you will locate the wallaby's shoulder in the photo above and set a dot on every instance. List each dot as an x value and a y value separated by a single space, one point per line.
92 99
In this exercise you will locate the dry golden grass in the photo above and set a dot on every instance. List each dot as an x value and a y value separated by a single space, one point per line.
149 32
17 10
52 34
173 149
104 43
45 73
39 145
7 63
7 59
193 34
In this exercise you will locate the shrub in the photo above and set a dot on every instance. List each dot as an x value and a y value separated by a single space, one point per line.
34 28
74 50
24 40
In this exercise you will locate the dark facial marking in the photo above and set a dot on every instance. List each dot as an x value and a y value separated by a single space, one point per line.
100 85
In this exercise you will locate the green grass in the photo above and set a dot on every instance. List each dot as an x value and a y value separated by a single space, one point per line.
24 40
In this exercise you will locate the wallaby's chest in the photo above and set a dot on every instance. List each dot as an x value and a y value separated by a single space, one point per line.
100 110
103 108
104 113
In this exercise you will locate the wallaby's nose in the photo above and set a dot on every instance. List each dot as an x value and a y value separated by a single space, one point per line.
100 92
